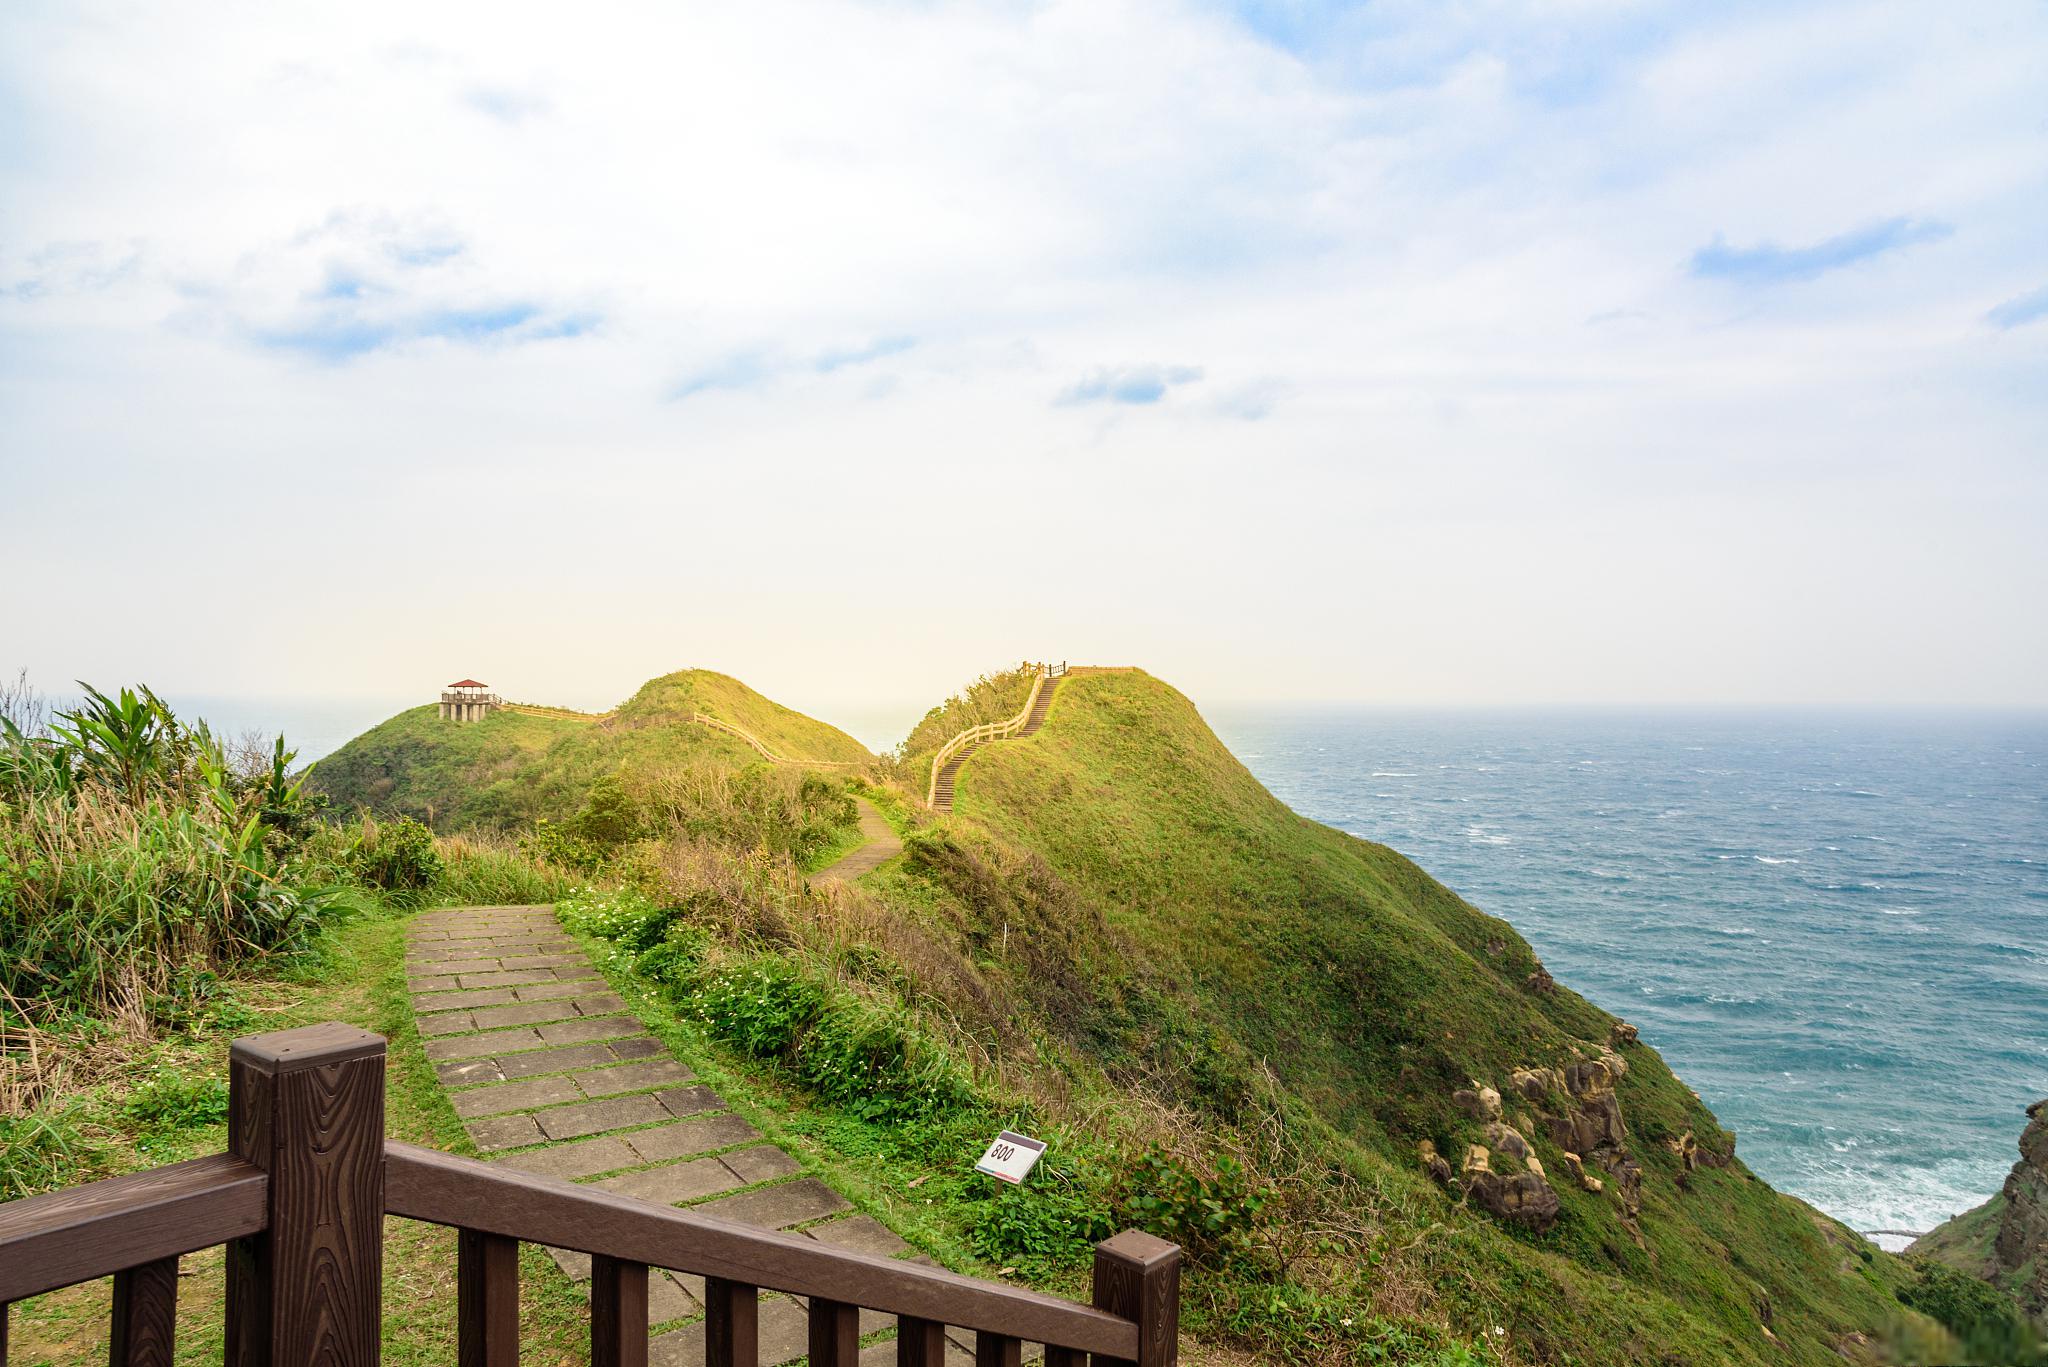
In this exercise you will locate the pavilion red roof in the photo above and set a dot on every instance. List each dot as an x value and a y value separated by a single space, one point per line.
468 683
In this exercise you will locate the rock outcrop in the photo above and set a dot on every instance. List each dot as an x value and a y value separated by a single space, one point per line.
2005 1241
1524 1197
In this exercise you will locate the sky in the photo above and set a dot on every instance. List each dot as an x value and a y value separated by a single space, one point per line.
1486 352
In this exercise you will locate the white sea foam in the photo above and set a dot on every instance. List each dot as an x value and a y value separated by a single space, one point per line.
1388 773
1766 859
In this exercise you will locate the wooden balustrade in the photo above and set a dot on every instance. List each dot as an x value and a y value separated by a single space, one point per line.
987 731
301 1196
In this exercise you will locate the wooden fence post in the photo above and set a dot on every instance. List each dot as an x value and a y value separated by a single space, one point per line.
307 1107
1137 1277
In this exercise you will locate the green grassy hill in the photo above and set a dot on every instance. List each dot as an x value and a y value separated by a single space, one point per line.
1202 942
511 769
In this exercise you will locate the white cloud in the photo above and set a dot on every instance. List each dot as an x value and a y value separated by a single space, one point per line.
422 284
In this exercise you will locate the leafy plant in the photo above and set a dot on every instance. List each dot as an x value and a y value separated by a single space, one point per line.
399 858
1211 1217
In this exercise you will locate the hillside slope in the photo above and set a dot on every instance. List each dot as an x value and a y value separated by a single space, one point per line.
1395 1015
511 768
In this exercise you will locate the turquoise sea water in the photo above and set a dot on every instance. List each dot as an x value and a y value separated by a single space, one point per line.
1835 927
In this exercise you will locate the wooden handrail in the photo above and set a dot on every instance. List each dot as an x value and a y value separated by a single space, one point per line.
444 1189
720 724
302 1195
987 731
106 1227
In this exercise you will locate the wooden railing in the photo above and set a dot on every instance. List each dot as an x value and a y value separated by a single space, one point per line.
558 713
988 731
300 1198
720 724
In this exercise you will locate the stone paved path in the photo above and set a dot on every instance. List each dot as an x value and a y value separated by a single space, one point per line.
882 845
551 1074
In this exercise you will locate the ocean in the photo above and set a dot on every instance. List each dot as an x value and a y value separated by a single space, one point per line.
1834 926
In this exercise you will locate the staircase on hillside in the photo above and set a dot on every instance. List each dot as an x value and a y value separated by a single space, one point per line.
969 742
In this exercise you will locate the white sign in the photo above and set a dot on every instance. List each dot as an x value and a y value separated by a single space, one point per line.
1010 1158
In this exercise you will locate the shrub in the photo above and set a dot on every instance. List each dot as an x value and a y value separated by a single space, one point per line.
488 872
1211 1217
399 858
871 1061
1986 1320
1052 1218
174 1101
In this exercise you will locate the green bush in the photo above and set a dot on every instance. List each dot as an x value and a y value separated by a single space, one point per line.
399 858
1051 1218
871 1061
174 1101
1984 1319
1211 1217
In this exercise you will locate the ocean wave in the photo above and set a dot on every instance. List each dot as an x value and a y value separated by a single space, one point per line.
1389 773
1734 930
1766 859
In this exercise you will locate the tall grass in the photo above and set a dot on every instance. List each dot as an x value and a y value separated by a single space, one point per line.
137 860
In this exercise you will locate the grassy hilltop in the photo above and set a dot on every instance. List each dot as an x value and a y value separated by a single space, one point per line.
1276 968
513 768
1382 1131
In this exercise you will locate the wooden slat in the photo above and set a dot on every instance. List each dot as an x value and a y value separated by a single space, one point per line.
100 1228
421 1184
835 1333
307 1106
486 1300
732 1324
997 1350
1065 1357
920 1343
618 1313
145 1315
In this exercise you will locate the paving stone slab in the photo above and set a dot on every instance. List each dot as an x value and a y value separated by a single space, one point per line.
525 1013
504 979
444 1023
588 1028
784 1337
762 1163
686 1138
646 1046
686 1101
456 1001
518 961
553 1060
666 1300
594 1117
435 982
450 953
482 1046
464 1072
582 1158
503 1132
632 1077
557 987
676 1183
506 1097
779 1207
600 1003
861 1233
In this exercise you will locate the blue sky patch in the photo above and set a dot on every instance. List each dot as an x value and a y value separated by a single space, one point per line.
2016 312
1145 384
1767 263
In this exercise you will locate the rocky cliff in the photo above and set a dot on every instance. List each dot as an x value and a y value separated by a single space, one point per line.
2005 1240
